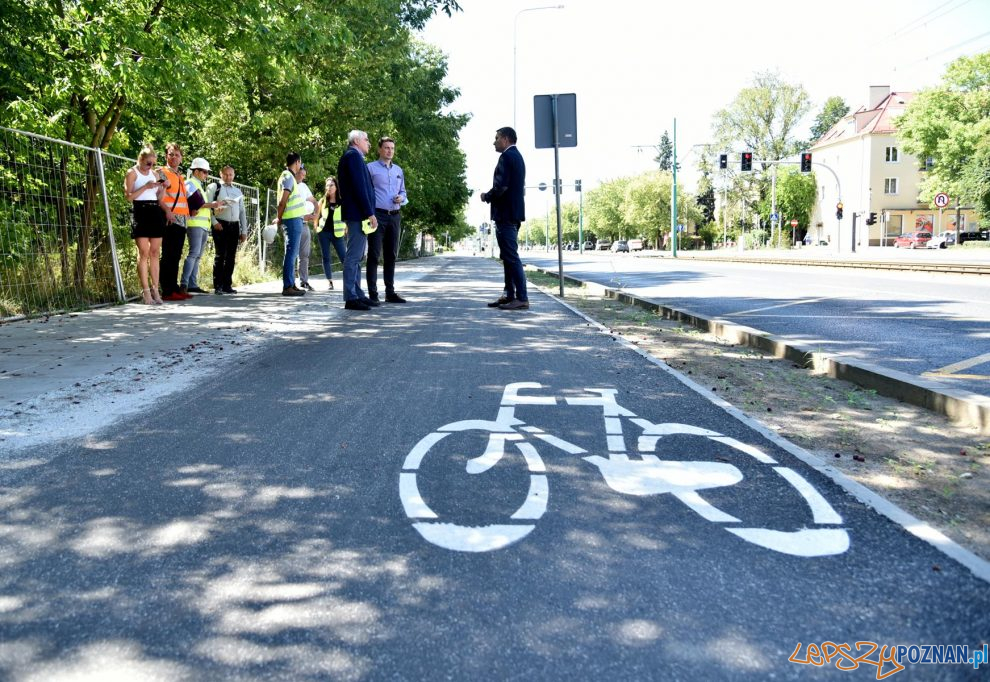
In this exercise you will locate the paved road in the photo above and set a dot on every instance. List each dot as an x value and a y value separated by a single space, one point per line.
922 324
287 520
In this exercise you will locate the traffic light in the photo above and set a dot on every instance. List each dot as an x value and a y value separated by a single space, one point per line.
838 211
577 185
872 219
747 161
723 161
806 162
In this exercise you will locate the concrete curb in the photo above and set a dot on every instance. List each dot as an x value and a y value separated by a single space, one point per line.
961 407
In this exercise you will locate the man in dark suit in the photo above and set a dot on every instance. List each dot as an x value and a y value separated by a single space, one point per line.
357 204
508 213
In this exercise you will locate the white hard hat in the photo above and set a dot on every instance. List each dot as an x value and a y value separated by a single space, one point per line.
199 163
268 232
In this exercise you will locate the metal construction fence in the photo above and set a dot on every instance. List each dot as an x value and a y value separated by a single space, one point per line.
65 239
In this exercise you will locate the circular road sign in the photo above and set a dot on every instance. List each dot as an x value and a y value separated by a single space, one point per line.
794 222
941 199
543 186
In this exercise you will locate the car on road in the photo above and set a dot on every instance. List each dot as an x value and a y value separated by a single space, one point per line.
942 240
912 240
589 246
620 246
604 244
981 235
635 244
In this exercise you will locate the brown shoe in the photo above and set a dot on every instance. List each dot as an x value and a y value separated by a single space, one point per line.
289 291
502 300
515 305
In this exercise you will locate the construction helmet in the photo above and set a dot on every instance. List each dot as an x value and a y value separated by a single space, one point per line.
269 231
199 163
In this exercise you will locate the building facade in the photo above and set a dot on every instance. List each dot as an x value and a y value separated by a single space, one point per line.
874 175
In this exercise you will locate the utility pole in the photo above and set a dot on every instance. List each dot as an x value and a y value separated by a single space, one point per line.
673 199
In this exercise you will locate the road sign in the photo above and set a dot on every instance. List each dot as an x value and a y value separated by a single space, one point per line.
794 222
774 217
941 199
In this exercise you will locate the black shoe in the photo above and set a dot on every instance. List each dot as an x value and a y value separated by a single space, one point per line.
228 290
291 292
373 297
219 292
356 305
394 298
307 287
370 302
197 290
502 300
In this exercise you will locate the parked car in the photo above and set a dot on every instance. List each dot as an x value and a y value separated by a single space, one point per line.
620 246
942 240
912 240
981 235
589 246
635 244
604 244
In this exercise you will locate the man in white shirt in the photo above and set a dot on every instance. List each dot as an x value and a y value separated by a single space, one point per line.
306 241
230 228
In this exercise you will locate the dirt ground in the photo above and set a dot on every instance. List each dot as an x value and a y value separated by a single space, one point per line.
916 459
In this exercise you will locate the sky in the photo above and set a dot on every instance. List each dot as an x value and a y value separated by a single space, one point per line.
636 65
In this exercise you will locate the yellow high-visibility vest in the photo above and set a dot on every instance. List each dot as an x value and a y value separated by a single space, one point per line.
338 225
295 207
202 216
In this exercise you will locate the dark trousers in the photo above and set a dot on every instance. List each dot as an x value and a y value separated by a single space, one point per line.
383 245
172 243
225 243
506 234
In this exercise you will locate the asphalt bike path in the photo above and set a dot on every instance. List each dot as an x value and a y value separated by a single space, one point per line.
440 490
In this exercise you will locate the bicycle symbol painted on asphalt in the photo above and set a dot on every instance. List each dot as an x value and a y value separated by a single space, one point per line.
642 475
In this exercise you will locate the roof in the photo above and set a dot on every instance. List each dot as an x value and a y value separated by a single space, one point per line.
876 121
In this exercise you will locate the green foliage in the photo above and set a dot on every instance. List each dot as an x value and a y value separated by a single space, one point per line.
796 193
832 112
665 153
951 124
762 117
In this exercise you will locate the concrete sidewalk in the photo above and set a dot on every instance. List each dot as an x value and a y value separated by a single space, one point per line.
67 375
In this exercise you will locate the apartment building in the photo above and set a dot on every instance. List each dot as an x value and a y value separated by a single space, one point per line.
875 175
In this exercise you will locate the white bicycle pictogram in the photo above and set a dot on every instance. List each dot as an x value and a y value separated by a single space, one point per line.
642 475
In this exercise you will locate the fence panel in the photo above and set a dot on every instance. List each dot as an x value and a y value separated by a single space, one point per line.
56 246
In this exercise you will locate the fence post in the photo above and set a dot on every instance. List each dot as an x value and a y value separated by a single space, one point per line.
113 243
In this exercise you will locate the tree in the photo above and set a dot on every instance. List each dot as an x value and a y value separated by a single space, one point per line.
604 208
229 86
832 112
665 153
950 123
762 117
796 194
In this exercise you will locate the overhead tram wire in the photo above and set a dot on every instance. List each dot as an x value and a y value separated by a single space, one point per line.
923 20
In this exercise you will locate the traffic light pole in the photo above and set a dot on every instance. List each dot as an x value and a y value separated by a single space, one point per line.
673 198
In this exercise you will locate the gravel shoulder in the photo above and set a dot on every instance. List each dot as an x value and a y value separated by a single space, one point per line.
918 460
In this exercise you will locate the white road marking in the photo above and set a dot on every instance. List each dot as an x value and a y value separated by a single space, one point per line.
821 510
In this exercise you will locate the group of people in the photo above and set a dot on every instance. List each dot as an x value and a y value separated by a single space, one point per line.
168 208
360 210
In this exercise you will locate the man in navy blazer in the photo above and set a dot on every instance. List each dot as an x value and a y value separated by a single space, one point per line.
508 212
357 204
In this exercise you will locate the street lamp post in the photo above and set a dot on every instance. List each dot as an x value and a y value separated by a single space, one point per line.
515 25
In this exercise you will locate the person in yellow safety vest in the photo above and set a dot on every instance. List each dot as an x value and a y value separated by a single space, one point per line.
330 228
290 212
197 224
175 204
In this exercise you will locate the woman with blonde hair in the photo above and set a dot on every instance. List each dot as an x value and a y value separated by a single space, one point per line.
143 187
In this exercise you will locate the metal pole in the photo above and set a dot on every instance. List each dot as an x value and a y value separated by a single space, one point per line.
557 184
773 209
958 219
113 243
581 221
673 198
725 213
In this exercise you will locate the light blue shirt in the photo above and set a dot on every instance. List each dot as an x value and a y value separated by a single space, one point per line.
389 182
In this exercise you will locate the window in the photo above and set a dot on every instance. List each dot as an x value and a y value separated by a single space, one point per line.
890 186
892 155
